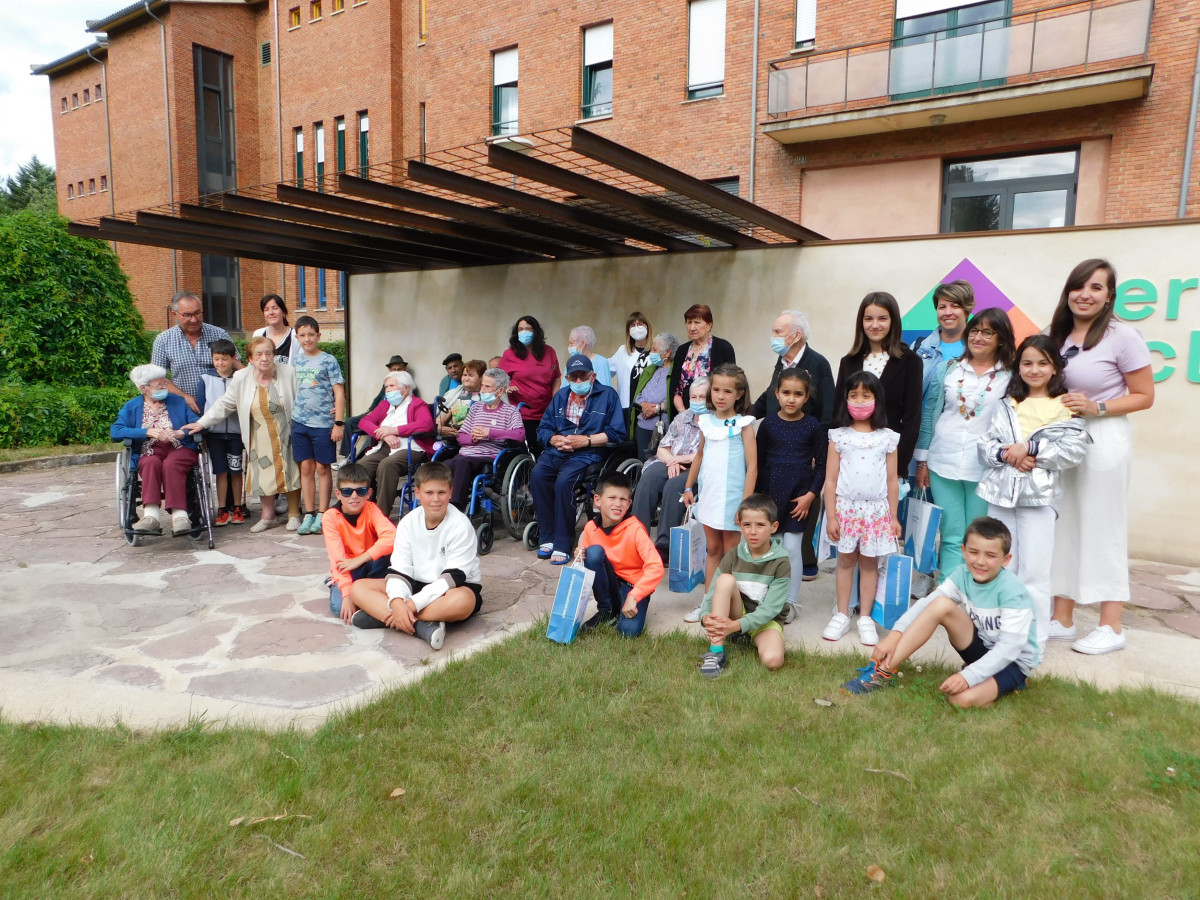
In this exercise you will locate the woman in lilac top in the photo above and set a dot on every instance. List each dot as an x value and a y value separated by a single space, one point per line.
1108 376
489 424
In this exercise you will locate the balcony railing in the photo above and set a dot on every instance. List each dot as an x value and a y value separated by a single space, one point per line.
1016 49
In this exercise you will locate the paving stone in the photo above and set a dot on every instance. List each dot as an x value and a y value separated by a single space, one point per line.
148 611
267 606
495 566
68 664
191 668
134 676
287 637
1148 597
318 606
253 546
293 565
460 634
1157 568
195 641
291 690
1188 622
1171 584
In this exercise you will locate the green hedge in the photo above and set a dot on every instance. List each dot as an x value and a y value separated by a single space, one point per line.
34 414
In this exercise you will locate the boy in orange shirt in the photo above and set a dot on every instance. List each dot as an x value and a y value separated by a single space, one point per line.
617 548
358 538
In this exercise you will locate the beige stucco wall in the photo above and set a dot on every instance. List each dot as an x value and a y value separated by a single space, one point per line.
876 200
425 315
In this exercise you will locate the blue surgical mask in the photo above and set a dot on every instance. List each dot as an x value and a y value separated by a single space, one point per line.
159 395
654 359
581 387
572 350
699 407
525 337
779 345
488 398
395 397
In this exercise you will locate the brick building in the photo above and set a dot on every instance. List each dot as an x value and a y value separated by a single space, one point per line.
857 118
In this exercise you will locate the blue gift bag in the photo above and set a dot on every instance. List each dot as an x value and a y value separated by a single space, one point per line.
924 520
570 603
892 593
689 552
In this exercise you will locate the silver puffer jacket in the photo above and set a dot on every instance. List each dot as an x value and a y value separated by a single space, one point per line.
1057 446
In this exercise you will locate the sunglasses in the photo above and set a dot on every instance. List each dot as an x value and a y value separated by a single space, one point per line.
1071 352
347 493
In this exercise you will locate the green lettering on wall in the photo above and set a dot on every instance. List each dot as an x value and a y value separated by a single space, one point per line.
1135 299
1193 371
1168 352
1175 291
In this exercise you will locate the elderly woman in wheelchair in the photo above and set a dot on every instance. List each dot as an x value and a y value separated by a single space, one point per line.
156 418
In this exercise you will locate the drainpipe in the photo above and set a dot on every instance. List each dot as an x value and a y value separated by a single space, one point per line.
170 164
279 127
1191 134
112 206
753 103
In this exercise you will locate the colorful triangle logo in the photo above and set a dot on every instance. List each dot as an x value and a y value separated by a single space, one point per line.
922 318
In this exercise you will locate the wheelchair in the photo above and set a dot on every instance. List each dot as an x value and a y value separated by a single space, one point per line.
623 458
129 494
361 443
485 500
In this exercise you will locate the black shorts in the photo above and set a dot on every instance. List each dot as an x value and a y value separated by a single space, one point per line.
477 589
1008 679
224 452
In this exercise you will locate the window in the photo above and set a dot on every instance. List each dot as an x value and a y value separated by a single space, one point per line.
1013 192
299 141
79 189
421 20
504 91
264 53
941 47
99 94
732 185
87 96
340 150
806 23
321 300
91 185
70 192
314 10
74 101
294 17
319 149
706 49
364 145
423 132
63 108
342 288
302 289
103 183
336 6
597 71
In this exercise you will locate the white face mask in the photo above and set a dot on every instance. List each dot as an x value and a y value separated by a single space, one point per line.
638 332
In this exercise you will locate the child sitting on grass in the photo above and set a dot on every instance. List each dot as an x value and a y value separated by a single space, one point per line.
616 546
749 590
358 538
434 577
988 616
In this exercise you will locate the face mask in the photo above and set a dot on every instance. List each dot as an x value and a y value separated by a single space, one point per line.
638 332
779 345
581 387
395 397
525 337
159 395
572 350
860 412
654 359
699 407
488 398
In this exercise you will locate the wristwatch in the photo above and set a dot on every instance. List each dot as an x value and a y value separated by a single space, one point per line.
338 423
1101 408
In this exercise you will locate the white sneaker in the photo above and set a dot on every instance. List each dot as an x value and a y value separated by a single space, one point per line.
837 627
1102 640
1060 632
693 616
180 522
294 523
866 631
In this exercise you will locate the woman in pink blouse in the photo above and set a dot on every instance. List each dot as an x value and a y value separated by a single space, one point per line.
533 366
1108 376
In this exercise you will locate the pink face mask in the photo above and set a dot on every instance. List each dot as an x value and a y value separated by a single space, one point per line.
860 412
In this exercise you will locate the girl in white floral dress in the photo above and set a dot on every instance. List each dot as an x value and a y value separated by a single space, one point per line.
861 493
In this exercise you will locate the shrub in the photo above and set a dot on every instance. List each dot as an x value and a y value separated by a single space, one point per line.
38 414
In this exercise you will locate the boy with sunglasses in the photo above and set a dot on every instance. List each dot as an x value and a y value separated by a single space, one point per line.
358 538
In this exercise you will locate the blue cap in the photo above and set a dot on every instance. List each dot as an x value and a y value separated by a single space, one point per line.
579 363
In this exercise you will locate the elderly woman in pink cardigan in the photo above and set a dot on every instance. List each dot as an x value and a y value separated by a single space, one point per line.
399 420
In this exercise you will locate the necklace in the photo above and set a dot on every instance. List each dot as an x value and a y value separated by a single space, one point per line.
969 414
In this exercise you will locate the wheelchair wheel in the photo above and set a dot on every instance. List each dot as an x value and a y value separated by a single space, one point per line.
486 537
127 500
516 502
200 496
531 536
631 468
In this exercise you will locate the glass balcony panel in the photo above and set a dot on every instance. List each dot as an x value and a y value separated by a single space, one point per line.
827 81
1121 30
1060 42
867 75
785 90
956 60
1006 51
912 69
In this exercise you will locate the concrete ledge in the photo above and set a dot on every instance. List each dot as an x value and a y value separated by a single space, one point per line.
57 462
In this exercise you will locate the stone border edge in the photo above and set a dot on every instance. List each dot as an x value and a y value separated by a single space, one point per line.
57 462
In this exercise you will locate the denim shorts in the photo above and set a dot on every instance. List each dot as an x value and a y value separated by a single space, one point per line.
313 443
1008 679
224 452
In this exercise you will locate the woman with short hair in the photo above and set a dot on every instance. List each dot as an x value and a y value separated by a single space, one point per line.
954 301
402 418
583 340
630 360
698 357
650 407
490 423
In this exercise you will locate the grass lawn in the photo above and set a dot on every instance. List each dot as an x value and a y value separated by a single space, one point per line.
610 768
17 453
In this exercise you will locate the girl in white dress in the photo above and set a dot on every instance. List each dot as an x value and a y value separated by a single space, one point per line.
726 465
861 493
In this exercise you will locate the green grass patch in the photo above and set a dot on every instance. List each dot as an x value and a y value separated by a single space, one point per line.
18 453
610 768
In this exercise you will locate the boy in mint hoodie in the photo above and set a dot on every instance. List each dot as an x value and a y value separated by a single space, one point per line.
749 590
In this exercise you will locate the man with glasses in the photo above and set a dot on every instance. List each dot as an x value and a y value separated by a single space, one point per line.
185 348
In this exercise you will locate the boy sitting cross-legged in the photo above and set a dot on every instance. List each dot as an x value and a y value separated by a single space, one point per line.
988 616
358 538
616 546
434 577
749 590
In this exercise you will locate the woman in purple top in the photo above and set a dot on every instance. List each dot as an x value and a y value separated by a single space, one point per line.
490 422
1108 376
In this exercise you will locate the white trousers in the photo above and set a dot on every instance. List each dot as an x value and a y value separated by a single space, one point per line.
1032 529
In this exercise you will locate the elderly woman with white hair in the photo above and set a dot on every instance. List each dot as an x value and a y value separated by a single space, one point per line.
399 420
583 340
650 407
156 417
490 422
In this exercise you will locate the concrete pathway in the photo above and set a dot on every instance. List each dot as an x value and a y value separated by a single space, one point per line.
94 631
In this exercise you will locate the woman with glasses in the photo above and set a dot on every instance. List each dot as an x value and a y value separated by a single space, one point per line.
1108 377
957 411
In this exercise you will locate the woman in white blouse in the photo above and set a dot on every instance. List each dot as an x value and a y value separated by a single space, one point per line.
957 411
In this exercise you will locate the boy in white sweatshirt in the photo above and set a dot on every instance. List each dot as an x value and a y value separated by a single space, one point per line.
434 576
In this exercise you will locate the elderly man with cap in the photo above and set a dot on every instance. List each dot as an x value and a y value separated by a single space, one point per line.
453 365
184 349
582 419
396 364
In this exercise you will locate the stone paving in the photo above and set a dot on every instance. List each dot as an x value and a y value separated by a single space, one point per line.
95 631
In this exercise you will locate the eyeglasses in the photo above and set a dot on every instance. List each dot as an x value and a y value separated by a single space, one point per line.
1071 352
198 314
347 493
986 333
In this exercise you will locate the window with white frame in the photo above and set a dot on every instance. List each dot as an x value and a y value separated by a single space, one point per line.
319 147
505 71
806 23
597 71
706 49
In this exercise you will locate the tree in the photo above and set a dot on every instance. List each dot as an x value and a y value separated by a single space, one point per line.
33 187
66 314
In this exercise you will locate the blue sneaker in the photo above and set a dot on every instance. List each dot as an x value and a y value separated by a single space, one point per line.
869 678
306 524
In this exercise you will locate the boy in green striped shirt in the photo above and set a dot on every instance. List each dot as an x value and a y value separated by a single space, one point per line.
749 590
